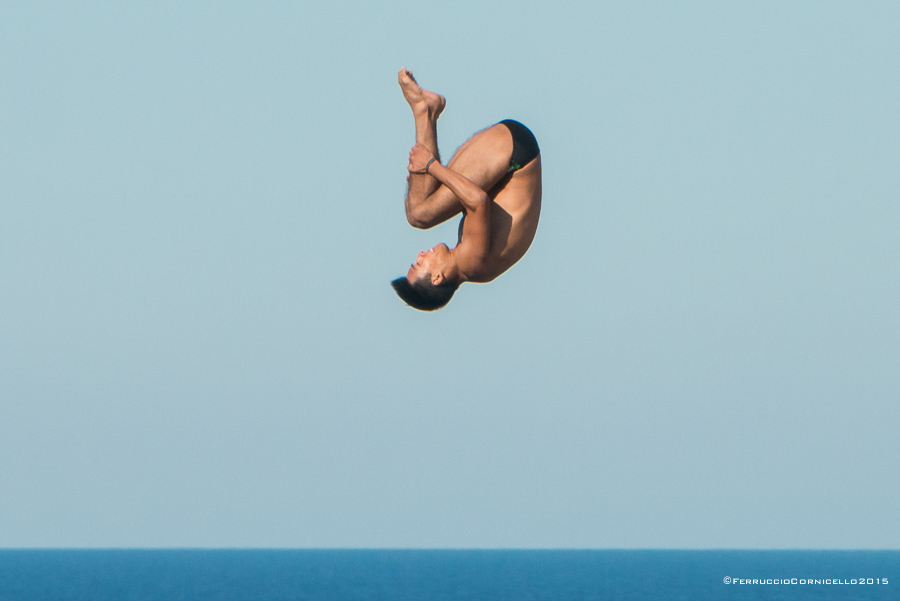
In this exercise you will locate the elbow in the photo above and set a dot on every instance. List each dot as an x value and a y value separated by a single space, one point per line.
479 201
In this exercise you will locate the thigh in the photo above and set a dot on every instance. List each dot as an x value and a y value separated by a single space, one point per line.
483 159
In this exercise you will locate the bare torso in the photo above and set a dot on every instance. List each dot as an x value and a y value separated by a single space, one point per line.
515 211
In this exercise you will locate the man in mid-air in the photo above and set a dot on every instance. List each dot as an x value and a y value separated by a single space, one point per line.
494 180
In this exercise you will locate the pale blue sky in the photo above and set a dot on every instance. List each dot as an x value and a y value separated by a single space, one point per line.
201 209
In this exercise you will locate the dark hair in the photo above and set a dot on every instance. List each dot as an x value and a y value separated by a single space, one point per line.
423 295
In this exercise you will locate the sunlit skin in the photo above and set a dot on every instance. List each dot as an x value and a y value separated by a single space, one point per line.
437 264
500 210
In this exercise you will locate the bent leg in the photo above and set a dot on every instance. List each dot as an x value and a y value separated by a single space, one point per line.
426 107
484 158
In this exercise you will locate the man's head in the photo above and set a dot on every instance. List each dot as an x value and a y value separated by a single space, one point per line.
431 280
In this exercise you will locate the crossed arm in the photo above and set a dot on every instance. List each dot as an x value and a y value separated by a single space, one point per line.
475 240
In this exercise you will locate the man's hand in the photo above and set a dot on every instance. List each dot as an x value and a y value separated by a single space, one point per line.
418 159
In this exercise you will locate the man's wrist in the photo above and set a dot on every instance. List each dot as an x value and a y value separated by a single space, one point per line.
428 164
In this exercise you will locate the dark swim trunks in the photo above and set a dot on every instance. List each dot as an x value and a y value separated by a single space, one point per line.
525 146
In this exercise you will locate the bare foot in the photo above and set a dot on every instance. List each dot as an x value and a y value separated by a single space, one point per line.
420 101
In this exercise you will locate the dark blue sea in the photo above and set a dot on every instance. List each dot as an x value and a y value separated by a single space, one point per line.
375 575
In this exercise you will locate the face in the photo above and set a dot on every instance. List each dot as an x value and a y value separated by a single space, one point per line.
428 262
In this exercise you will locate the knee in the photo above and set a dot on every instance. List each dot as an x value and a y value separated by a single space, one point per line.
418 219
